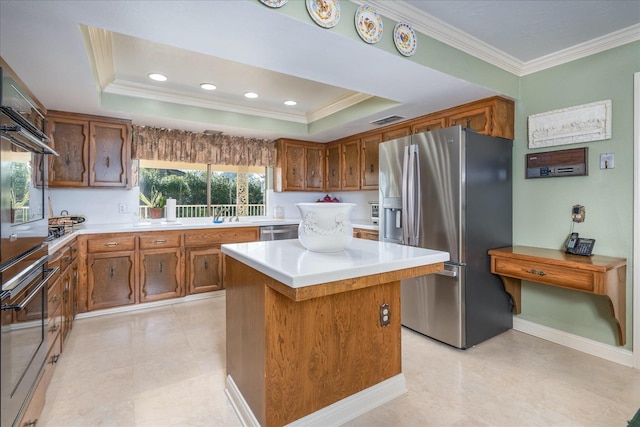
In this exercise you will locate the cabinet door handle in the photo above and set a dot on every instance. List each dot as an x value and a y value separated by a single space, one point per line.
371 167
538 272
67 258
161 267
54 359
111 244
206 264
293 171
67 160
111 272
31 423
350 170
161 241
54 328
55 298
108 161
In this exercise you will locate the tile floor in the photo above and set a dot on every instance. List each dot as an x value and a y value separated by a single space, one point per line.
165 366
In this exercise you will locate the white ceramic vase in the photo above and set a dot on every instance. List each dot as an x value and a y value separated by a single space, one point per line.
325 227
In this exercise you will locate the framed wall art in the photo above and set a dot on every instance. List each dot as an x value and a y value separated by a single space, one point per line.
582 123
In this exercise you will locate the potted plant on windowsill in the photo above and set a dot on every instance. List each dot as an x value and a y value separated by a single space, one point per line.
156 203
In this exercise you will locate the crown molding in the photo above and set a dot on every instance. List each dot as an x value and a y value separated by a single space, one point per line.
445 33
458 39
99 46
337 105
608 41
137 90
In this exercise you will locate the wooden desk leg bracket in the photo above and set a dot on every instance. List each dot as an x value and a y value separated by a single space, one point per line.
513 287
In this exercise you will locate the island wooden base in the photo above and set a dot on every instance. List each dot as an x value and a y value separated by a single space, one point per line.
291 358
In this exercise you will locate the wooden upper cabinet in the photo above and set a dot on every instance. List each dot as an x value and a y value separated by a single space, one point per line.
110 154
94 151
300 166
478 119
369 165
491 116
429 123
334 167
70 138
351 164
294 167
394 133
314 167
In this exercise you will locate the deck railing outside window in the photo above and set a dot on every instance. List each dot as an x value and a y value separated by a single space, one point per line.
199 211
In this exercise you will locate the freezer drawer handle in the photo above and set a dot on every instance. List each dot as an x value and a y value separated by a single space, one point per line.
448 273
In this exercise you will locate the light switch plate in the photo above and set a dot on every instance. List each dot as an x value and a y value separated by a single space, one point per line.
606 161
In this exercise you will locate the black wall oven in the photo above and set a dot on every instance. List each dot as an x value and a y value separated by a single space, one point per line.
23 252
23 321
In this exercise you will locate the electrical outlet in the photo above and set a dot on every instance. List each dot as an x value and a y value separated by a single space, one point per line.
122 208
385 315
578 213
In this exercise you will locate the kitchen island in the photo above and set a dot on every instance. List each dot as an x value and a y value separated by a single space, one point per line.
314 338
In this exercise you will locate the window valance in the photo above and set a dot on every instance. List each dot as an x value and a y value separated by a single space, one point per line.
150 143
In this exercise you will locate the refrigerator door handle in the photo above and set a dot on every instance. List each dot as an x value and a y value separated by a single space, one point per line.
405 202
417 198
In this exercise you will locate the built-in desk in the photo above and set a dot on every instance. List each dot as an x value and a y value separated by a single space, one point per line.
599 275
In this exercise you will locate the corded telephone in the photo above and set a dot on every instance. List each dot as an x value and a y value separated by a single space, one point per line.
579 246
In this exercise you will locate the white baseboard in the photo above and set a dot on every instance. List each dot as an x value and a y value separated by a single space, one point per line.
146 305
576 342
336 414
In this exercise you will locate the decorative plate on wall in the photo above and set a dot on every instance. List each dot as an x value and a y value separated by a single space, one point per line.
368 24
274 3
325 13
405 39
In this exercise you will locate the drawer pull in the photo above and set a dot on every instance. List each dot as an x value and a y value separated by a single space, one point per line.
55 298
538 272
161 241
54 328
111 244
54 359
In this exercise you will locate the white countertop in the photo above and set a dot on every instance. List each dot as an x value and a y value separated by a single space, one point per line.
181 224
290 263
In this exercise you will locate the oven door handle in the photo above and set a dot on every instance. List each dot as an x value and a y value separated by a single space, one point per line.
18 307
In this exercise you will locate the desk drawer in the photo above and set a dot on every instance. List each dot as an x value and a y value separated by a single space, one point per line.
545 273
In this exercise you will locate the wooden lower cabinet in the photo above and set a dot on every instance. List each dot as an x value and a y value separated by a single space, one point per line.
111 279
160 274
120 269
204 270
363 233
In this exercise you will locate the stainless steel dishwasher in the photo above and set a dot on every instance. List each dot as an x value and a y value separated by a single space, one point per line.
279 232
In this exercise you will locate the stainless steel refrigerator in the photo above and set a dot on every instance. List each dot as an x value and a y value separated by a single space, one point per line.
450 190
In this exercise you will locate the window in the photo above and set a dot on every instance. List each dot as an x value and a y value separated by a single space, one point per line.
233 190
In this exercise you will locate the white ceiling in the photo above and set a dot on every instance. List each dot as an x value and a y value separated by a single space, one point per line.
93 57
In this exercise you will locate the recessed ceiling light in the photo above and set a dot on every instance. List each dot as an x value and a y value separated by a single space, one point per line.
208 86
251 95
158 77
290 103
